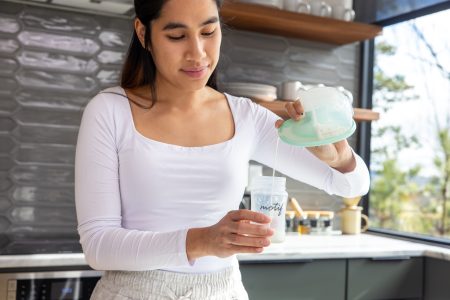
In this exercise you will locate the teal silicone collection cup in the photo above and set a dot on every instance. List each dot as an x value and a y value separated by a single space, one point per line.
327 118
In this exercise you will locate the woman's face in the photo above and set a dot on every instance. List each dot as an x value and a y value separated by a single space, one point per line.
185 43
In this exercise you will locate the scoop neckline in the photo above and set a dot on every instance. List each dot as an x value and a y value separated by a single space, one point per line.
179 147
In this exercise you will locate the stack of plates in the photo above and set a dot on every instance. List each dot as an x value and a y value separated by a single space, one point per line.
254 91
273 3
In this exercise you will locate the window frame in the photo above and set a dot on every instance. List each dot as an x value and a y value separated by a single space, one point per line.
365 88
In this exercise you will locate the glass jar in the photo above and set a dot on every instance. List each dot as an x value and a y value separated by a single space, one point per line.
313 218
303 225
269 197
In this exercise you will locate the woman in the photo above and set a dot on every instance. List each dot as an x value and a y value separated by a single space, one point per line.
161 164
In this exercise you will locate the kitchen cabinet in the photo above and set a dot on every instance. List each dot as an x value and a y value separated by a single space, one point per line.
385 278
437 279
278 108
275 21
313 280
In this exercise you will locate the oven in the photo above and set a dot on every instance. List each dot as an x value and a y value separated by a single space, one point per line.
48 285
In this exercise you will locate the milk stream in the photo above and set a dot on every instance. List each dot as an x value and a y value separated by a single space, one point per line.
277 237
274 166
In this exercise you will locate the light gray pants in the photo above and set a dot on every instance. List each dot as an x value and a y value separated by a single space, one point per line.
165 285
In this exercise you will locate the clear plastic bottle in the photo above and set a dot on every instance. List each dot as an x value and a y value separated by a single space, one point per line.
269 196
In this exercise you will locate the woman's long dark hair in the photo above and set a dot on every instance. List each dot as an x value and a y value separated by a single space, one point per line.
139 68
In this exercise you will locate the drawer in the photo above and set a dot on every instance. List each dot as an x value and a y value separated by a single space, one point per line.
385 278
312 280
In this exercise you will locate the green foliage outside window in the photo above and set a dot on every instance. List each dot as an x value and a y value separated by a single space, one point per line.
407 199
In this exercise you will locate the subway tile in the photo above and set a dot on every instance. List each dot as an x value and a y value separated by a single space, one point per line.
51 100
52 154
7 104
6 163
8 66
257 41
41 242
8 46
4 222
311 57
38 216
58 21
6 144
59 42
41 175
8 24
5 204
305 73
347 71
108 77
111 57
252 73
115 39
348 53
31 116
5 182
7 125
57 61
57 81
9 86
256 57
45 195
43 134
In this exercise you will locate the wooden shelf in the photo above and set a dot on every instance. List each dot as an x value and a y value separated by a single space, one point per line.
265 19
361 114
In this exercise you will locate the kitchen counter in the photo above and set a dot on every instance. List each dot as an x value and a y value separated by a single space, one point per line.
305 247
296 247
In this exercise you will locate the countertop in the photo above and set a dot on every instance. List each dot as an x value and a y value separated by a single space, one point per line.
295 247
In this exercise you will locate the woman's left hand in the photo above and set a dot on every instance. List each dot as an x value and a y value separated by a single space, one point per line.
338 155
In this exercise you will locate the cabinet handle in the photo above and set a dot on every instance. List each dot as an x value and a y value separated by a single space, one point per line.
281 261
391 258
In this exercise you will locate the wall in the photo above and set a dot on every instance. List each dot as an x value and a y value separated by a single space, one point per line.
53 62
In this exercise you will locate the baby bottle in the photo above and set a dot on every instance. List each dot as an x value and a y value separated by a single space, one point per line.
269 196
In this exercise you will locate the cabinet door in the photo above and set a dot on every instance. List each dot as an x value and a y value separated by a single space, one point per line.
437 279
309 280
388 278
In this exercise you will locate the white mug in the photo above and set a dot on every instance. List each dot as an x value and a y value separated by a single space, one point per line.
342 13
301 6
320 8
342 9
290 89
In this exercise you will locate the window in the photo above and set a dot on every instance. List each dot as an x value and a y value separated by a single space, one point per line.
410 144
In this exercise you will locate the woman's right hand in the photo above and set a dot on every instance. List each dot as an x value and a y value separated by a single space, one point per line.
233 234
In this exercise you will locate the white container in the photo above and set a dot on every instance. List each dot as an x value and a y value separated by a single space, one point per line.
269 196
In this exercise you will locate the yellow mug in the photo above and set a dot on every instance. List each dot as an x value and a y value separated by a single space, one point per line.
351 220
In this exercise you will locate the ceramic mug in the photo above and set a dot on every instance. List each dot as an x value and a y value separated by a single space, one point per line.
290 90
342 13
301 6
321 8
342 9
351 220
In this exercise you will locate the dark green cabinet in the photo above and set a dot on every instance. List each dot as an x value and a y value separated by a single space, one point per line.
306 280
386 278
437 279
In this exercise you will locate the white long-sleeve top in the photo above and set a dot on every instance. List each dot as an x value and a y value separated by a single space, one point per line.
137 197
